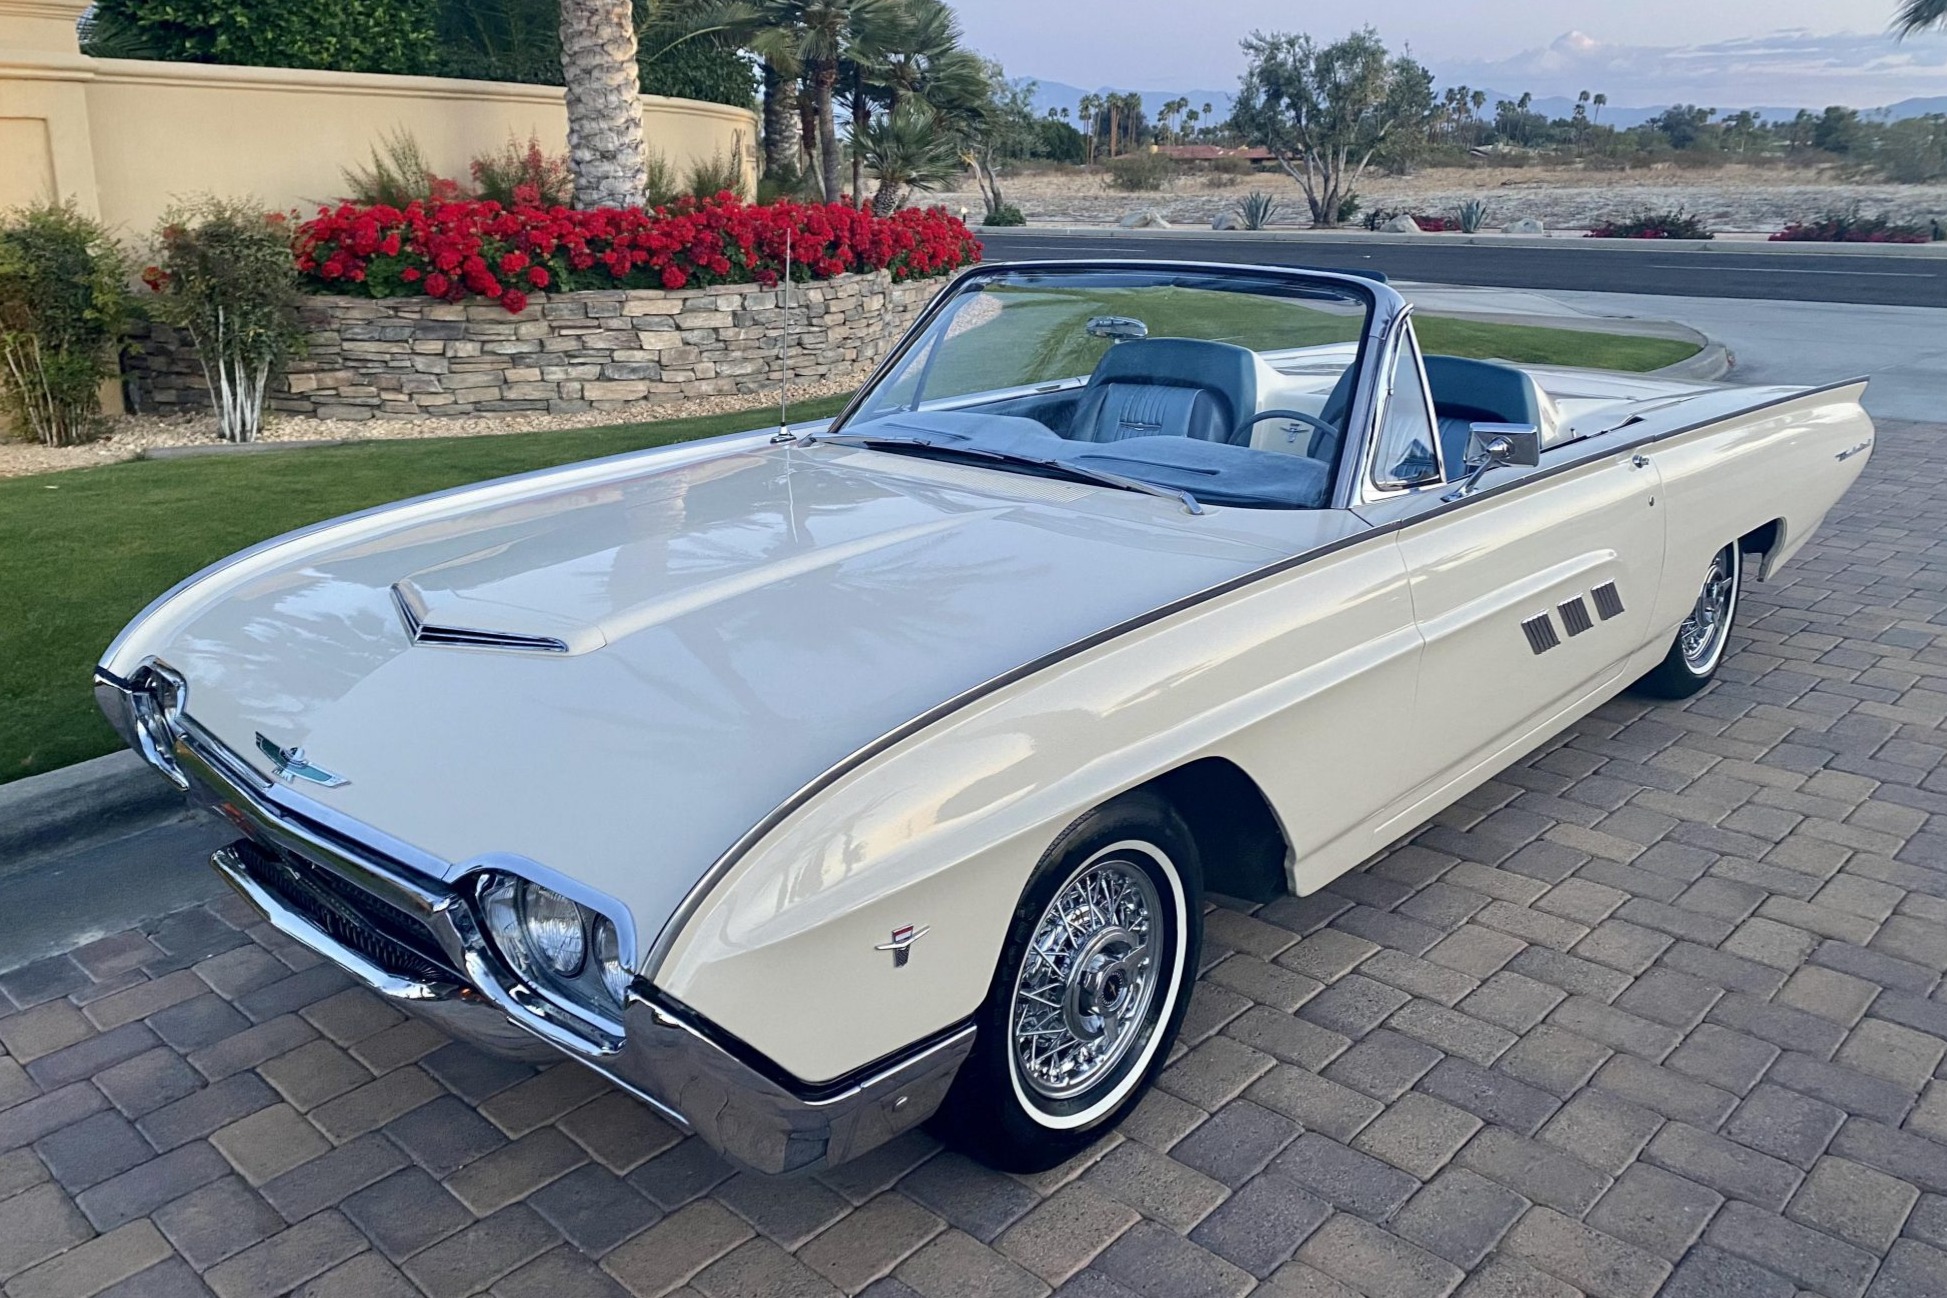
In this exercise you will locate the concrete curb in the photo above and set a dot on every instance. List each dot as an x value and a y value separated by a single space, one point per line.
1747 247
88 801
1707 366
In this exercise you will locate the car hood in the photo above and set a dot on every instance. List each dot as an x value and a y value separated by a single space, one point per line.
618 674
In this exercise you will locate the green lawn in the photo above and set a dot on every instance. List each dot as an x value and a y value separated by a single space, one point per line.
82 552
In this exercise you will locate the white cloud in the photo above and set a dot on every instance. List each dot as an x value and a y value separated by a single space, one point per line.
1779 69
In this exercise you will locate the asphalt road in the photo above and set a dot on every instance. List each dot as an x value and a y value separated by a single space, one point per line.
1798 277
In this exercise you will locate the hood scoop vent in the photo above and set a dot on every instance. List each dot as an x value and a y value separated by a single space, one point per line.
426 630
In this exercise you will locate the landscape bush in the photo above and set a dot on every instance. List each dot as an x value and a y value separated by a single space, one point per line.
451 250
1256 209
1471 215
63 307
1005 214
1676 224
719 173
223 274
397 174
1138 173
341 35
1850 227
522 170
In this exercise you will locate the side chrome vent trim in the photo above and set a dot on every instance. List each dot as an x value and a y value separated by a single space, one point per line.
1575 616
459 637
1608 600
1540 631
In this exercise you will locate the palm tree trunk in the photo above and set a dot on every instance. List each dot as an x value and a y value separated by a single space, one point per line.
808 132
780 108
598 66
886 201
860 110
824 81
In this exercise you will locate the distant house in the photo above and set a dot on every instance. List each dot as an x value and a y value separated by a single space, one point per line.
1211 152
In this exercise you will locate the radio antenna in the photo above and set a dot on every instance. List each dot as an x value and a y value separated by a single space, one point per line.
784 348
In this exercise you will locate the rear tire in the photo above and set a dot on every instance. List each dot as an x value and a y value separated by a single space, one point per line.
1091 987
1701 641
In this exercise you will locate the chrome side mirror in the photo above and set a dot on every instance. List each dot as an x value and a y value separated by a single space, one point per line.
1489 445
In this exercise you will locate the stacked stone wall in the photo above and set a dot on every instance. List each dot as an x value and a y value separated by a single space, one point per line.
566 353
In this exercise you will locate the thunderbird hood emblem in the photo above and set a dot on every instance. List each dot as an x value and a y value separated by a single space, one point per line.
290 765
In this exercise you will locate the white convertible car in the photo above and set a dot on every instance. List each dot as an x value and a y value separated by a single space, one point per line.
812 784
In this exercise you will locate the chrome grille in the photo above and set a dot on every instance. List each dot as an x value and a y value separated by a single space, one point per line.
382 933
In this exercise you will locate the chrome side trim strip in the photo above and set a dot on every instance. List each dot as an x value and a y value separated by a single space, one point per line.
693 900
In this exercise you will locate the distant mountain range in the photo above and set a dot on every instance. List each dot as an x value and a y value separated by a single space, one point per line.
1773 69
1056 94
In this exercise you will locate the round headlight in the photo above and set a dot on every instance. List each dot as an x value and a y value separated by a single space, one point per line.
554 929
608 958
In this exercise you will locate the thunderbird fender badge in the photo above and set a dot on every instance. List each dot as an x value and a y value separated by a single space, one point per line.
901 945
290 765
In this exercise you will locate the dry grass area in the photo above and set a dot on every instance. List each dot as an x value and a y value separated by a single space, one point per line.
1731 198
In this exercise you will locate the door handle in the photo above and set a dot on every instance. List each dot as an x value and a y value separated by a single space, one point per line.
1640 461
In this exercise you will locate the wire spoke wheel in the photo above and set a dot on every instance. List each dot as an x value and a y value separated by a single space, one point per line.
1701 636
1088 979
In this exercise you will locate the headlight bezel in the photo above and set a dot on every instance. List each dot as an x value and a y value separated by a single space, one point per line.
598 988
157 695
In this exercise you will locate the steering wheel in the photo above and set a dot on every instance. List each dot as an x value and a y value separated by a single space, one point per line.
1242 436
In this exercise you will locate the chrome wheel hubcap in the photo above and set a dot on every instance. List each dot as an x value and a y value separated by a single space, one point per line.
1702 633
1088 979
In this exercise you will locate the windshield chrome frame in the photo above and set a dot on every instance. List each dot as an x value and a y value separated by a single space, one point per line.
1386 308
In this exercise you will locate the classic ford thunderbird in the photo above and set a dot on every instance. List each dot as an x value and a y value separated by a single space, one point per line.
814 783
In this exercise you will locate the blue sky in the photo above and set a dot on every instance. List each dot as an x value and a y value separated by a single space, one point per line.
1639 51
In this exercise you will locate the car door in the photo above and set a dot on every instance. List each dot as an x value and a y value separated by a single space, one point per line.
1531 593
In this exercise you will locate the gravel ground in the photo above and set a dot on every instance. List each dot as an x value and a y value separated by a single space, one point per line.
130 436
1733 198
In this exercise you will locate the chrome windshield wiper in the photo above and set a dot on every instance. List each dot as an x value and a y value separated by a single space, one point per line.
1101 477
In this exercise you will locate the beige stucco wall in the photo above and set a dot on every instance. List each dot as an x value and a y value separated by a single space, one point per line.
124 138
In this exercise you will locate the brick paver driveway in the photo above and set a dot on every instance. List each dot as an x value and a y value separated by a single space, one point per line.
1660 1009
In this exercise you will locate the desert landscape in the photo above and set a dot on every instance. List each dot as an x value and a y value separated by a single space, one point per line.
1730 199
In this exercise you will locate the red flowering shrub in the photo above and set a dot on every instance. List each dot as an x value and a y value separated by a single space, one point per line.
1851 227
1653 225
452 249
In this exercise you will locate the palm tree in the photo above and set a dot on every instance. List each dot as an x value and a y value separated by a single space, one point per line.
1918 15
1599 100
908 148
598 67
821 35
1091 110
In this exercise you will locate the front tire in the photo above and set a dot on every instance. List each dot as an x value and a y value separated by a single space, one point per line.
1701 640
1090 990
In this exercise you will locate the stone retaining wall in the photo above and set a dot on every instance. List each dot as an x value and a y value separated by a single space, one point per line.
414 357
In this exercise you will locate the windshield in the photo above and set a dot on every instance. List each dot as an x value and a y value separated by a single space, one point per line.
1235 387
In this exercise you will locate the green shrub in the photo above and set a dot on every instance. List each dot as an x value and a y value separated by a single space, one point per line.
1471 215
63 307
1256 209
661 186
1676 224
342 35
398 174
1005 214
708 177
523 173
1140 172
1850 226
225 276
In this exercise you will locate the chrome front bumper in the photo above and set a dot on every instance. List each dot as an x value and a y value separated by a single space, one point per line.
416 942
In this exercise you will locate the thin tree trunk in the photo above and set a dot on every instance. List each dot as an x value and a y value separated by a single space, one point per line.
824 83
886 201
808 134
860 111
598 66
780 108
